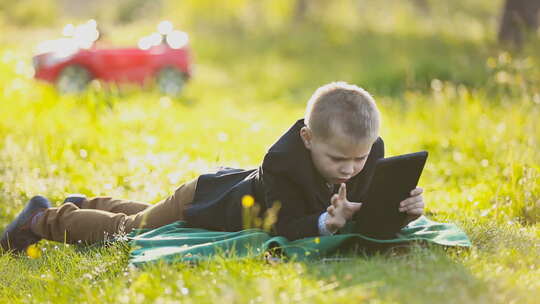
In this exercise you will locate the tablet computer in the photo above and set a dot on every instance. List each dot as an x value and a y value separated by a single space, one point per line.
391 182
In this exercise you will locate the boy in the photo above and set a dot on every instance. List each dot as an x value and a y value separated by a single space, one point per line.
317 171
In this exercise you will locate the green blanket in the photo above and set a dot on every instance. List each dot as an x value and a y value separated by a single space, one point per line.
176 242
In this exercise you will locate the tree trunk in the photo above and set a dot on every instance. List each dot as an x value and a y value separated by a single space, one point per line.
422 6
300 10
519 18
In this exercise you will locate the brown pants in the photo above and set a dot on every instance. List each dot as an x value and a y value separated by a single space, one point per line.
101 218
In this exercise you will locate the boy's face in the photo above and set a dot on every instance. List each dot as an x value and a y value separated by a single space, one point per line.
337 158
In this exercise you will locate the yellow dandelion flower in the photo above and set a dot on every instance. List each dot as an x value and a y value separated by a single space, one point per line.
33 251
247 201
317 240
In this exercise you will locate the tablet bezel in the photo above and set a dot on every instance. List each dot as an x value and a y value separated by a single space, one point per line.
379 216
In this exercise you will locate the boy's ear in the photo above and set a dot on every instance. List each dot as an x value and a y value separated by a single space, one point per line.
306 135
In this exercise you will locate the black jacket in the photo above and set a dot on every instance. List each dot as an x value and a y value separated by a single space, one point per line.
287 175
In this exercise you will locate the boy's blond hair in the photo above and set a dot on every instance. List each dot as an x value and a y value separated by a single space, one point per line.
339 107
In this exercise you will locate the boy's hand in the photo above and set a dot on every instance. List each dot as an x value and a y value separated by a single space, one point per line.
340 210
414 205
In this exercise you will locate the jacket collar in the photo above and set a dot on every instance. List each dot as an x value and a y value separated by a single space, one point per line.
297 164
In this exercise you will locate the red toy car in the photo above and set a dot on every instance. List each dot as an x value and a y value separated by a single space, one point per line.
71 63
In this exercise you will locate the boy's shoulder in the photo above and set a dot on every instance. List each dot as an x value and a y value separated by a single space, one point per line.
290 141
287 151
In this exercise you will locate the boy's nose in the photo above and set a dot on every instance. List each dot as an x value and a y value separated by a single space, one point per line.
347 171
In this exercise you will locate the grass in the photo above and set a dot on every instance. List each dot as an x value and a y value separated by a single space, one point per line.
472 106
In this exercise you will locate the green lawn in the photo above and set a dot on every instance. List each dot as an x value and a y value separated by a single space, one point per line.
473 107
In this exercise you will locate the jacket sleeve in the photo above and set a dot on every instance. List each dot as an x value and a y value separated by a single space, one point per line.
294 221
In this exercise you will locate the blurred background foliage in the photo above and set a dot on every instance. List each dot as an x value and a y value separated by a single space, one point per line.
445 80
26 13
388 46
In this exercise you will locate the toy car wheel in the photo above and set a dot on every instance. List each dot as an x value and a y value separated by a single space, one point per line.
170 81
73 79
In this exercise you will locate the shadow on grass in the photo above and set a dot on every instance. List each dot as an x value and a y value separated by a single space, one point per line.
418 274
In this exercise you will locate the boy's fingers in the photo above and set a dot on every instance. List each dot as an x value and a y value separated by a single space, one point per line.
334 200
330 210
411 203
343 192
338 202
410 207
411 200
355 206
417 191
416 211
